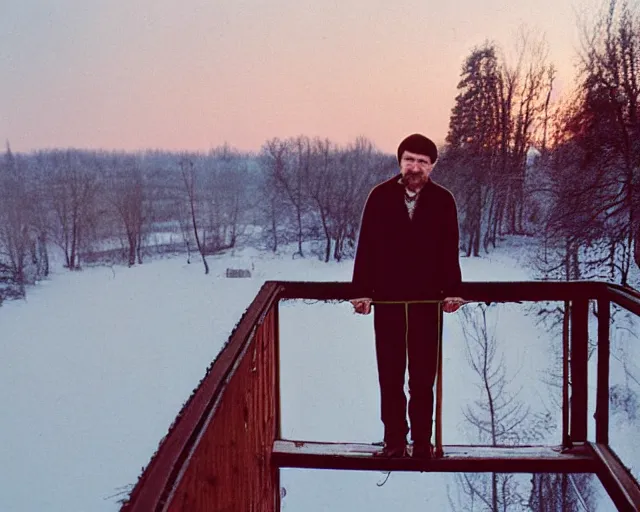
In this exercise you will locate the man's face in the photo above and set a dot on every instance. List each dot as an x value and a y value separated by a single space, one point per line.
415 170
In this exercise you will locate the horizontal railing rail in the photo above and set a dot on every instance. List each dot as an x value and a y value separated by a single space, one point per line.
625 297
475 291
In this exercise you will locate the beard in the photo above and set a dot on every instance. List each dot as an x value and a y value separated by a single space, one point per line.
414 181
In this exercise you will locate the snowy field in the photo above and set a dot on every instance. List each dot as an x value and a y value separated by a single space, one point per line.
97 363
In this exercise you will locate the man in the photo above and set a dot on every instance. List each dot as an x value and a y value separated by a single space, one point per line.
407 251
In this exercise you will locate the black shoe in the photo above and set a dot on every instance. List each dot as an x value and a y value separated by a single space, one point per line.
422 451
392 450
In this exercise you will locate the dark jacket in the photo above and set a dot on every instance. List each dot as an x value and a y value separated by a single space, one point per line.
402 258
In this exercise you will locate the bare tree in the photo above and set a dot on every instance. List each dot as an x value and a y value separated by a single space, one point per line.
189 180
319 187
602 129
288 164
590 192
42 216
273 211
321 183
275 157
498 416
226 187
562 493
359 167
550 76
15 221
530 74
73 186
127 197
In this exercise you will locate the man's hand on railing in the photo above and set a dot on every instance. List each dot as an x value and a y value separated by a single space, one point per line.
362 306
452 304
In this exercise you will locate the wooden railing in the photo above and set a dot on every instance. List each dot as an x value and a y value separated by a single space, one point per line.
217 454
225 450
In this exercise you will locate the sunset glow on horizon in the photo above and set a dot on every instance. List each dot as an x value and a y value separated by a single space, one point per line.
161 74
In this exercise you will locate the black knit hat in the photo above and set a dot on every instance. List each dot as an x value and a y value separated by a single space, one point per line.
419 144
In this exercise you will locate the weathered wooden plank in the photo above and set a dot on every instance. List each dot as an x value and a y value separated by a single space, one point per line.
456 458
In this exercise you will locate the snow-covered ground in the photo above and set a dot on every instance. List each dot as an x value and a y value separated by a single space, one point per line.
96 364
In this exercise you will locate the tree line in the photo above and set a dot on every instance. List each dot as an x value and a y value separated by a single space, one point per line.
114 207
566 171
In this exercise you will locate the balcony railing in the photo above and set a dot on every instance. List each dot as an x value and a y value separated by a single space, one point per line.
225 450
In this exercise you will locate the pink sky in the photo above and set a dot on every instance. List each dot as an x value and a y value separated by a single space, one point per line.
139 74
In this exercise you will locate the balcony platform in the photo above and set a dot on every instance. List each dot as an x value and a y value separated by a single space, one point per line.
456 458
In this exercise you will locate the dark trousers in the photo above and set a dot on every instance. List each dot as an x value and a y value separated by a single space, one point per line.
395 340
